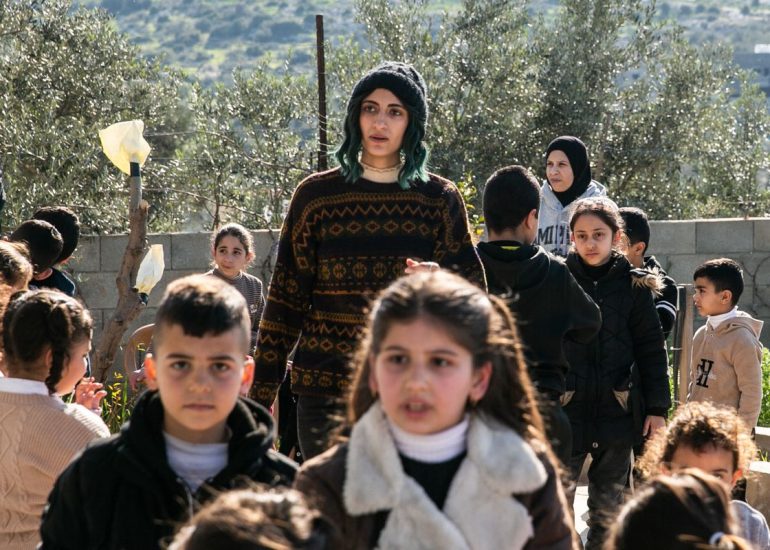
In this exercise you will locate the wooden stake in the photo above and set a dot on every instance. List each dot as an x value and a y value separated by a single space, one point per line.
129 304
321 63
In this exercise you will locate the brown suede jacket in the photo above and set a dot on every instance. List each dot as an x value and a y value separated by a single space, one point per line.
505 495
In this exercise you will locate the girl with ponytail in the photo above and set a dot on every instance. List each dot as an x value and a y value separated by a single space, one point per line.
446 446
46 339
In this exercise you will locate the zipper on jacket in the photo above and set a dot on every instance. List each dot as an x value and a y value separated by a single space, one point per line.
597 359
188 494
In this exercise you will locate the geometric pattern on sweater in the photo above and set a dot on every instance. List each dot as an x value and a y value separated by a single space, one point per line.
340 244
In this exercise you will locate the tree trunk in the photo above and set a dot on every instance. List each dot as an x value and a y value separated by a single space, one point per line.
129 304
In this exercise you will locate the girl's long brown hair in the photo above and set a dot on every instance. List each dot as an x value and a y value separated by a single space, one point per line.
480 323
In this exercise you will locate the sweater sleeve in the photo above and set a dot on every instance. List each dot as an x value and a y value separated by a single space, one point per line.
288 299
64 524
454 248
650 353
747 362
585 315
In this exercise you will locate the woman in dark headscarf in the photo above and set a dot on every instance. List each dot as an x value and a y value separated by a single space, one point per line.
568 173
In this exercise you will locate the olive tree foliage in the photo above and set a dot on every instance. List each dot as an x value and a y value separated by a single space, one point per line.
64 74
661 118
673 129
676 130
251 144
476 62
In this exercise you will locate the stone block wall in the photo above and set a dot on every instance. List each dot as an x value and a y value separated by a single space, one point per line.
679 245
96 262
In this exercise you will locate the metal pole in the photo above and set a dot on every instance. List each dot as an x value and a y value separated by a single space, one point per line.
321 62
683 333
135 187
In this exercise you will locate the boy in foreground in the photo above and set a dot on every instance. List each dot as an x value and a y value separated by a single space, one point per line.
713 439
549 305
726 351
190 437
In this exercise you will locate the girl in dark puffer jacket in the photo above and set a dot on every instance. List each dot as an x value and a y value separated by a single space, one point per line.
617 386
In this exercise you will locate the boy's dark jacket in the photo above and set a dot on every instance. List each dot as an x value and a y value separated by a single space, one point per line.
122 494
666 302
550 307
621 375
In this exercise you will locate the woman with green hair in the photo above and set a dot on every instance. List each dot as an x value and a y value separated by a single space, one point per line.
349 233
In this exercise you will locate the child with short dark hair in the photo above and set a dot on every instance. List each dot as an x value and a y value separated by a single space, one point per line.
637 231
713 439
44 243
68 225
446 446
254 519
189 438
726 352
689 511
46 337
548 303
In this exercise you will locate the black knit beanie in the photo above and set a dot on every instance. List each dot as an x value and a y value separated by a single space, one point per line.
404 81
581 168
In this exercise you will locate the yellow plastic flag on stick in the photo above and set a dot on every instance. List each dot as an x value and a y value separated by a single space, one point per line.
123 143
150 271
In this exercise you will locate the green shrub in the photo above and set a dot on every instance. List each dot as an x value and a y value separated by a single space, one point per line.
118 404
764 413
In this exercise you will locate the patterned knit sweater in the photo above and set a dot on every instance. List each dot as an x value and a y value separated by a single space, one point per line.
39 436
340 244
251 289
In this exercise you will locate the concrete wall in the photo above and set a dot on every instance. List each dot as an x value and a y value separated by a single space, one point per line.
96 262
679 245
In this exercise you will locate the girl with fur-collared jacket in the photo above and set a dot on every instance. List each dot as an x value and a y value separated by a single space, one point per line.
446 447
617 386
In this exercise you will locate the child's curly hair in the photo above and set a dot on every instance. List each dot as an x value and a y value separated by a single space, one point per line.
700 426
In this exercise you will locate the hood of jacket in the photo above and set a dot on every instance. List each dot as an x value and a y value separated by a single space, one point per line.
741 320
640 277
515 270
620 266
553 231
251 426
549 200
651 263
498 464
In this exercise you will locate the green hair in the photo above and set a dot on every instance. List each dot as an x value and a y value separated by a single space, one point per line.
414 151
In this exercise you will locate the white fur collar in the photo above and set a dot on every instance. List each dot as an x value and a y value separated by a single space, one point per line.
479 512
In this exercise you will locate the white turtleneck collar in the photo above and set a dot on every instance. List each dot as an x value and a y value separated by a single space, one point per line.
432 448
716 320
381 175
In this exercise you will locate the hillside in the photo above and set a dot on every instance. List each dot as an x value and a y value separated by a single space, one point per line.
210 38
